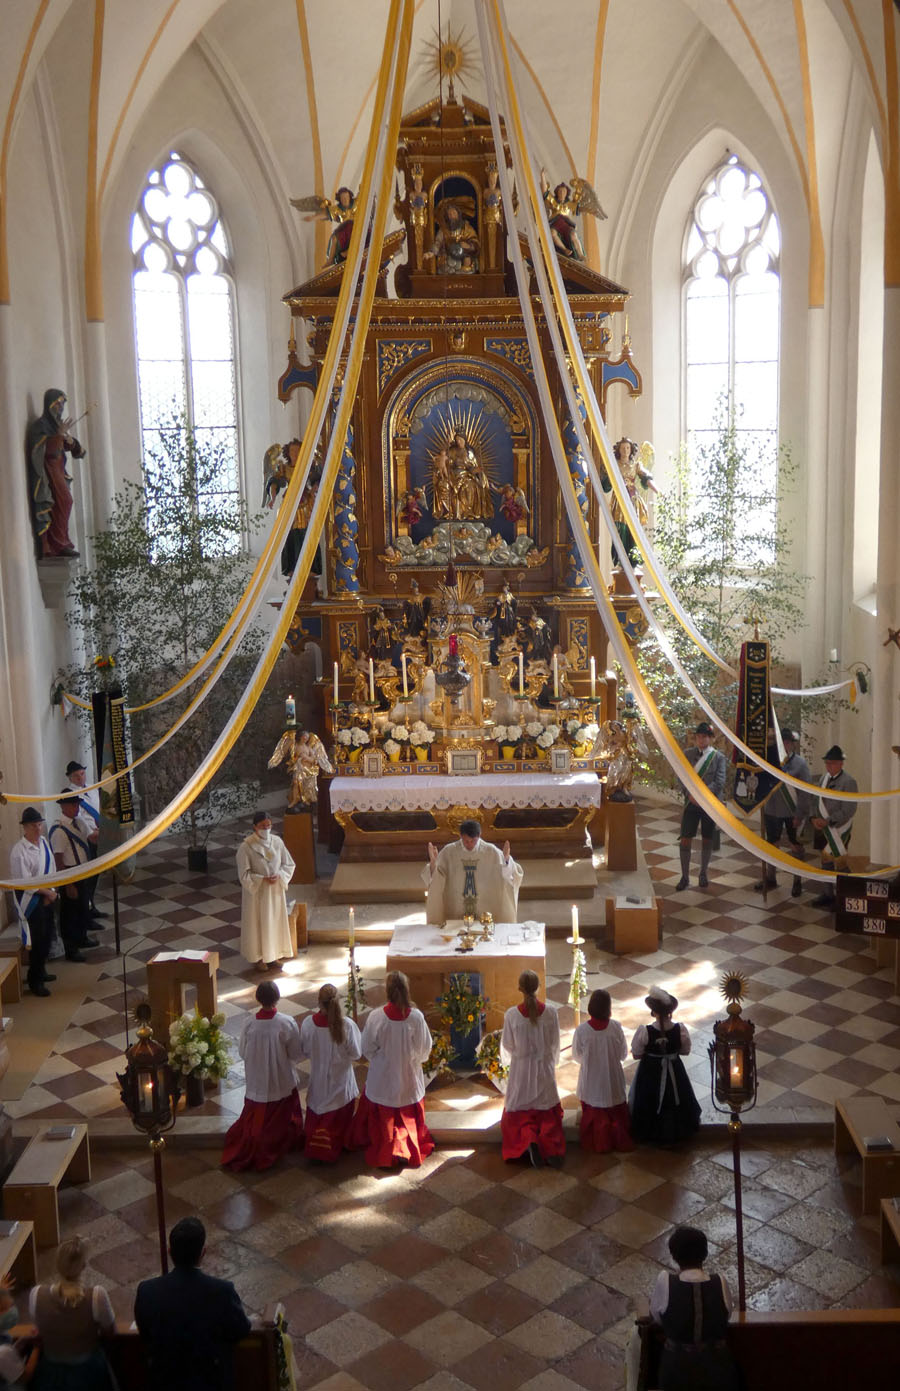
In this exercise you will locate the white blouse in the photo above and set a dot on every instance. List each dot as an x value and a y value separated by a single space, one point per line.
396 1050
331 1079
270 1047
532 1053
601 1053
642 1038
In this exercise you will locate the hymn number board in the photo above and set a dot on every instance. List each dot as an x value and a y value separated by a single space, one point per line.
867 906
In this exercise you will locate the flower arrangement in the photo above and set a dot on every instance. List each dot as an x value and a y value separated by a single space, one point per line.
548 737
489 1061
104 663
533 728
398 732
355 999
508 734
391 747
421 735
354 735
199 1046
579 985
437 1064
461 1009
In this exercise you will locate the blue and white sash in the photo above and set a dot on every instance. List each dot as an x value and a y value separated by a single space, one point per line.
28 900
833 834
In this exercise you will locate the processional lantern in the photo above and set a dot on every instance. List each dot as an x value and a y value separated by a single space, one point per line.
733 1052
150 1091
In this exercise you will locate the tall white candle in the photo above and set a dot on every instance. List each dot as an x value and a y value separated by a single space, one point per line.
371 681
593 678
335 683
351 926
575 936
555 676
521 673
403 665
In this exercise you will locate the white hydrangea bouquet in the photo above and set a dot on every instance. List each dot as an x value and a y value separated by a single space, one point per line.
421 738
354 736
199 1046
548 736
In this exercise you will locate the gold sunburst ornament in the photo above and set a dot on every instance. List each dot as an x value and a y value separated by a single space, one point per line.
733 986
452 58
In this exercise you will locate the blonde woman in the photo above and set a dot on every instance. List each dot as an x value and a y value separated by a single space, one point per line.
531 1123
71 1317
332 1044
390 1122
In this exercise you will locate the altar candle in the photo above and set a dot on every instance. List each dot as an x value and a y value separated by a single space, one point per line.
335 683
403 665
452 645
575 936
593 678
521 673
351 927
371 681
555 677
290 710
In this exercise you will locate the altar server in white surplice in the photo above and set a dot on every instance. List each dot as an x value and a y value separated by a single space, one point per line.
470 867
265 869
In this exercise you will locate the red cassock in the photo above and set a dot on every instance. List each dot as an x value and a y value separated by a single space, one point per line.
392 1133
605 1128
519 1129
532 1113
328 1135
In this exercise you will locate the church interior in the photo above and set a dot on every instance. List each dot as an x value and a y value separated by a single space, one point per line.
511 441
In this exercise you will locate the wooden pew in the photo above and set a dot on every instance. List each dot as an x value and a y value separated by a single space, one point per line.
255 1365
858 1117
18 1255
32 1188
10 980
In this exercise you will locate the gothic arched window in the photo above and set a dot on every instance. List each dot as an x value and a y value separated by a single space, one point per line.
731 316
184 320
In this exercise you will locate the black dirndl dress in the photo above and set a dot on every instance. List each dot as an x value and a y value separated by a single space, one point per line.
663 1106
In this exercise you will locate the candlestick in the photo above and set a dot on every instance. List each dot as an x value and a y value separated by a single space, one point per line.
593 678
351 926
335 683
290 710
521 673
832 656
452 645
371 681
575 937
555 677
403 666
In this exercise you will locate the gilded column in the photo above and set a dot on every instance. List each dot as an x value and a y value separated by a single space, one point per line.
346 523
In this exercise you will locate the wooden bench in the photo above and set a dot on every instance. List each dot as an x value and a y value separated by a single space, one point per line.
31 1191
255 1364
857 1117
890 1232
10 980
18 1255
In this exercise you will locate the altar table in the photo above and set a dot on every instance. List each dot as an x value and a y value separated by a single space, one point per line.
422 954
540 814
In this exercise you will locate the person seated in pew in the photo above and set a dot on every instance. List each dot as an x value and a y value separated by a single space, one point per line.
692 1309
71 1318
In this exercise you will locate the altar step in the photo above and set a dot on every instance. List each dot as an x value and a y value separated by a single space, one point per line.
399 881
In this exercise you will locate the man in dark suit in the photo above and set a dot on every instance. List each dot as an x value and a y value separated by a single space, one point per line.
189 1321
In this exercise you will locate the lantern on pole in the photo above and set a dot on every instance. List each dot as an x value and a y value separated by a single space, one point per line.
732 1064
150 1091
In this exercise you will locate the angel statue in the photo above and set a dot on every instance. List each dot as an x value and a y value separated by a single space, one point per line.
278 468
342 210
634 464
513 504
413 504
303 755
563 204
619 744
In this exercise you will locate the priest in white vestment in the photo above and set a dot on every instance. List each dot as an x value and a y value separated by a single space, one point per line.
471 867
265 868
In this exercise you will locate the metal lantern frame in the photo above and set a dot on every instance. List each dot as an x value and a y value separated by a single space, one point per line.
734 1085
150 1090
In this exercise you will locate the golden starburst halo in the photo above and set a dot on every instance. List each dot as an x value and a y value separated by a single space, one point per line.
733 985
452 57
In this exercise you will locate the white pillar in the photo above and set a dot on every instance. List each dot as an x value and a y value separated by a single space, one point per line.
886 663
100 459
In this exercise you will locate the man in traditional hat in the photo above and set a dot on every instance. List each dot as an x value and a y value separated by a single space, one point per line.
70 843
32 858
782 812
709 765
89 811
832 820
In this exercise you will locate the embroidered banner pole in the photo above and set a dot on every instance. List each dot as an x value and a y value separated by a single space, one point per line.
751 785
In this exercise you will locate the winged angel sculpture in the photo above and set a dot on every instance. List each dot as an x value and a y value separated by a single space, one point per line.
341 209
303 755
564 203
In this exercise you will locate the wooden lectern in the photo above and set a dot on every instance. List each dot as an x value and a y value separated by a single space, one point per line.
298 837
168 975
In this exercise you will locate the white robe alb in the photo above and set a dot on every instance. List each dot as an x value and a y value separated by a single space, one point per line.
601 1053
532 1054
265 935
396 1050
269 1048
331 1079
496 883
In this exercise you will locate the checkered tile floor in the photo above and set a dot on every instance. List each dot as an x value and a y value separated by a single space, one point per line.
472 1273
828 1020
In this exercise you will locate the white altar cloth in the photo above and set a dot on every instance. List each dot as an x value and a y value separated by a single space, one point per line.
509 940
428 792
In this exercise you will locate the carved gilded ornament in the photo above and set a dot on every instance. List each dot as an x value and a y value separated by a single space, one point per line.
395 353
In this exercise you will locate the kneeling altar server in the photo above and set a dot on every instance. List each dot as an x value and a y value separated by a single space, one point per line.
470 868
